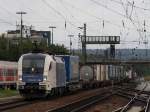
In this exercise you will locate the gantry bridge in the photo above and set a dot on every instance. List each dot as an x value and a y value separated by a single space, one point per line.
117 62
111 59
101 39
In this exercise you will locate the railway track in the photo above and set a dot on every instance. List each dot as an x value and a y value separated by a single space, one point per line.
54 102
130 96
84 103
137 103
133 89
79 105
13 104
134 105
135 96
147 108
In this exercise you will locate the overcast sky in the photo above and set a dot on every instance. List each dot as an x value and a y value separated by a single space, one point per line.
103 17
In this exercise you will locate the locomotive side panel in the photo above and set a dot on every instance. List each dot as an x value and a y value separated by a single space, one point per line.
60 74
72 68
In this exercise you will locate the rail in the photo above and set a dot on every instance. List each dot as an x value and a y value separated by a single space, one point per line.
82 104
134 97
147 109
128 105
13 104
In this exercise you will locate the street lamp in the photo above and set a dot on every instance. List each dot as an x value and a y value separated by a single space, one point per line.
52 27
21 13
80 27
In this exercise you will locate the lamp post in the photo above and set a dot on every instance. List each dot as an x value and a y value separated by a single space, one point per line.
52 39
21 13
49 38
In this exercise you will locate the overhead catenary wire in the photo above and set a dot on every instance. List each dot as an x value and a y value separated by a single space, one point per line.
57 12
64 5
97 19
128 16
90 14
34 12
136 26
7 22
139 25
140 35
110 9
114 11
44 21
8 12
73 21
138 7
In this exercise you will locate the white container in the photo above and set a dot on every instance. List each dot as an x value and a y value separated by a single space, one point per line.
86 73
101 72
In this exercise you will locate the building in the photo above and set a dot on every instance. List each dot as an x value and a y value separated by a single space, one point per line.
28 32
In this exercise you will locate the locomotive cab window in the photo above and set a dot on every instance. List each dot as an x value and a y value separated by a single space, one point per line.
33 65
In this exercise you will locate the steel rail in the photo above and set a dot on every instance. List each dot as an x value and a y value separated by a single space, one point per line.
82 104
127 106
11 105
135 97
147 109
130 96
10 102
91 103
118 110
135 90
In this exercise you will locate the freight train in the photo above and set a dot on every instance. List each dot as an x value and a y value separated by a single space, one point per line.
8 74
42 74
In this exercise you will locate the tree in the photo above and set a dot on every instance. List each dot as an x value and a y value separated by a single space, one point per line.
11 50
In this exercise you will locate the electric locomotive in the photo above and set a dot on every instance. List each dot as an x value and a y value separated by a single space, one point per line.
40 75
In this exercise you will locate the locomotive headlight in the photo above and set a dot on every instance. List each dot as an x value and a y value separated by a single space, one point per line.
20 78
45 78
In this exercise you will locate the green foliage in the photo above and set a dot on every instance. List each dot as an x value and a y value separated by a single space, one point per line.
142 70
58 49
8 93
11 50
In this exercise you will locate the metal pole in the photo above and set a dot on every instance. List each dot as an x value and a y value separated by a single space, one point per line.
52 27
84 43
49 38
21 26
52 37
21 13
70 43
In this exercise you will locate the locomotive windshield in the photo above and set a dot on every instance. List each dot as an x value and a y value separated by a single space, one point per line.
33 64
